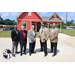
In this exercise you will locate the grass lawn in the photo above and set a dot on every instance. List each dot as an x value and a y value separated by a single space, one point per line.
65 31
70 32
8 34
5 33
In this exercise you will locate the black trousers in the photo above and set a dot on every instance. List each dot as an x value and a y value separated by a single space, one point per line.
44 46
23 46
54 47
31 47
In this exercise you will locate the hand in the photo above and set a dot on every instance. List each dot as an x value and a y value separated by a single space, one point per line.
39 36
50 39
13 42
34 39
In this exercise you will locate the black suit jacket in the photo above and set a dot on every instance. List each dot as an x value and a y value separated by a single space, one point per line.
21 37
14 35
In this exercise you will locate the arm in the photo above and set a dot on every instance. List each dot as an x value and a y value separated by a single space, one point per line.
12 35
30 36
19 35
55 35
39 33
47 34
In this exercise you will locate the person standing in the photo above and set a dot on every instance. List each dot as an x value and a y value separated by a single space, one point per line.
23 40
54 39
43 35
32 40
15 39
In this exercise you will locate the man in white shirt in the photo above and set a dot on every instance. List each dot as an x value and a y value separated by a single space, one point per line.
32 40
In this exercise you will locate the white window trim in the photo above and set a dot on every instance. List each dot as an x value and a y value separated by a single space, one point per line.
29 13
26 24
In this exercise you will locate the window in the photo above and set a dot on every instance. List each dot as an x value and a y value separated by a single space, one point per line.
29 13
55 15
24 24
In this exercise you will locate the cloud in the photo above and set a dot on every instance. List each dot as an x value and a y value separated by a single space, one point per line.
69 19
62 17
70 14
4 14
43 12
14 13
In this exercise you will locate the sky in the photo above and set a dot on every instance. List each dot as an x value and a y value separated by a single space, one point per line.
13 15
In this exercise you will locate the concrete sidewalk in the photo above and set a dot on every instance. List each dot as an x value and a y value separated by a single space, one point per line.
65 52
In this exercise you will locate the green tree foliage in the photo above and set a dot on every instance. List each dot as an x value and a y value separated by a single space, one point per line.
1 20
10 22
7 21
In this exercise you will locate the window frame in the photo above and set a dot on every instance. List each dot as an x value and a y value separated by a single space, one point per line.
26 24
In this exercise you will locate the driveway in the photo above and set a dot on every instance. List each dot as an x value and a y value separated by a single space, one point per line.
65 52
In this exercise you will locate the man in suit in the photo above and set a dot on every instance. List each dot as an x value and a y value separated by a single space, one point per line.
32 40
43 35
23 39
15 39
54 39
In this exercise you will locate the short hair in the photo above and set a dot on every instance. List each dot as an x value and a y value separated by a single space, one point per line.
43 23
32 25
54 23
22 26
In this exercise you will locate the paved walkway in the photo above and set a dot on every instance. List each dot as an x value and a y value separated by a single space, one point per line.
65 52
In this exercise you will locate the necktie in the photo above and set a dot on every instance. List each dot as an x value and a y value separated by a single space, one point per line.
42 31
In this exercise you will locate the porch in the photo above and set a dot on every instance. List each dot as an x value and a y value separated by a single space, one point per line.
47 25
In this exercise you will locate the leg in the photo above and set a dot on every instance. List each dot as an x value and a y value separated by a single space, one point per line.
13 46
21 48
30 48
51 47
45 48
55 48
25 48
16 47
41 45
33 47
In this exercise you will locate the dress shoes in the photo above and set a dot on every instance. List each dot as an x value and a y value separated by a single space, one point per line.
45 55
29 54
54 55
33 52
21 54
41 51
17 52
13 55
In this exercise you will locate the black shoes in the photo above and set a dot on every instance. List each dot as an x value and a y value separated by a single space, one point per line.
41 51
13 55
30 54
17 52
45 55
54 55
33 52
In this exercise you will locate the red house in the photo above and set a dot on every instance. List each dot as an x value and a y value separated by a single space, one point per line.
33 18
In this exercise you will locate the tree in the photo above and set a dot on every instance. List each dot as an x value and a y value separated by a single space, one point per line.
10 22
1 20
72 21
15 23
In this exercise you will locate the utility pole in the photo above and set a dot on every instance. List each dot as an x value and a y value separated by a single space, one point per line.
66 18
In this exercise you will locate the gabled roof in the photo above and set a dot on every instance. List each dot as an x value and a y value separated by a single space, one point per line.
54 14
53 19
23 12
